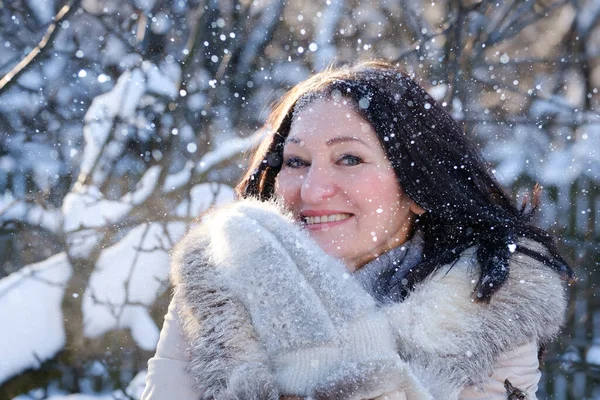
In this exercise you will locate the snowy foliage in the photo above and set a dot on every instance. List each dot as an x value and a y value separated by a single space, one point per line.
42 334
136 116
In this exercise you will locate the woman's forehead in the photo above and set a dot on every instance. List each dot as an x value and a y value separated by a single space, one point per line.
328 122
327 113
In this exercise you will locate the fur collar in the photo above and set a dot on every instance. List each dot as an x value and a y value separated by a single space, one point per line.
451 341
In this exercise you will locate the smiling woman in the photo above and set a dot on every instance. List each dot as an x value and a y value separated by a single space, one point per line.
371 255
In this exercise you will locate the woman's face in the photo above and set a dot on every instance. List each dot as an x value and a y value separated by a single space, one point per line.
337 180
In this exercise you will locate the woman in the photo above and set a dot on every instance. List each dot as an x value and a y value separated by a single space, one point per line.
451 294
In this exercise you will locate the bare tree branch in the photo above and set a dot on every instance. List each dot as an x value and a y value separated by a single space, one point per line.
51 32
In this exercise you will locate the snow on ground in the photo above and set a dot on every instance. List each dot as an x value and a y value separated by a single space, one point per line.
36 321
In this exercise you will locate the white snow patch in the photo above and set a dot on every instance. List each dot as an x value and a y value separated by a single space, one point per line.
26 103
87 208
517 155
560 169
144 5
593 354
196 101
202 197
290 72
178 179
226 151
42 162
30 300
33 214
79 396
145 187
53 68
508 171
554 105
121 101
457 109
134 391
114 50
85 211
325 33
163 81
160 23
438 91
127 279
31 79
42 9
137 385
587 18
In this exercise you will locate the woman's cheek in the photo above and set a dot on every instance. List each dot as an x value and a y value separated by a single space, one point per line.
287 187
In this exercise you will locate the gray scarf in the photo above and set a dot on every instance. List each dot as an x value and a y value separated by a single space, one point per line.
375 276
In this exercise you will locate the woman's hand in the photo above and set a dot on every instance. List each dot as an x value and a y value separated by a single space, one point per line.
331 340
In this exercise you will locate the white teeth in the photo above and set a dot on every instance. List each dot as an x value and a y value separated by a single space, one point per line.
326 218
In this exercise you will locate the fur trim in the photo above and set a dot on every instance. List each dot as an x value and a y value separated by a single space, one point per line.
250 382
451 341
226 359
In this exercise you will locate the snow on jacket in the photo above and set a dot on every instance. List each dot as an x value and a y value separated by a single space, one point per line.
455 347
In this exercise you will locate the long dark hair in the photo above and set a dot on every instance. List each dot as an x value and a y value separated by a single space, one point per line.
437 166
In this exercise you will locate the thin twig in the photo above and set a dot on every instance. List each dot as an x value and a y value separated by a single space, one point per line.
18 69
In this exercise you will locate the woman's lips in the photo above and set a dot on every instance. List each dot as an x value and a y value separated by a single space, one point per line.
325 221
319 219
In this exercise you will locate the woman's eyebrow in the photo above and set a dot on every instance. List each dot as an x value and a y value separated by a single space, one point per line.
344 139
332 141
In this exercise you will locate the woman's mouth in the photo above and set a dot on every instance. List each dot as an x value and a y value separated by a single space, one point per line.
324 219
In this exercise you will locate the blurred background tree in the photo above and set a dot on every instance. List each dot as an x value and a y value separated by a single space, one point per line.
121 121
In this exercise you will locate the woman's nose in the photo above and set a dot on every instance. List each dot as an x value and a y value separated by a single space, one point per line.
318 185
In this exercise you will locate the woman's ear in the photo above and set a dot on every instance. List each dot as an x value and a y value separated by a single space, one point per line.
416 209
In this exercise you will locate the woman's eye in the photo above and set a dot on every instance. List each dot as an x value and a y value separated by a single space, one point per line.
295 162
348 159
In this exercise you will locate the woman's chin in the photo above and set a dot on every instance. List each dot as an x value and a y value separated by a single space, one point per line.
335 248
331 248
